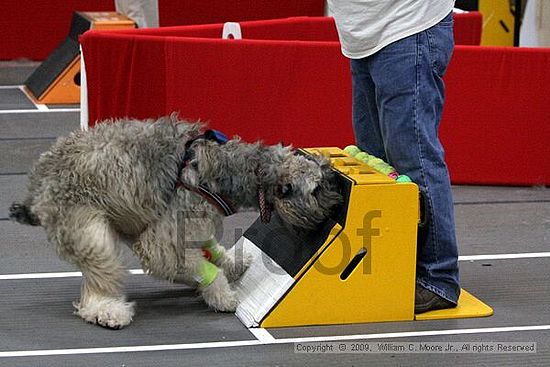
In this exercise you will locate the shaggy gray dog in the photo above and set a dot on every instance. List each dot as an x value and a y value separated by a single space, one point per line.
136 183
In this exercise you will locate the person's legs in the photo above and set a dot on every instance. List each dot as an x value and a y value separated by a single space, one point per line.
364 110
409 94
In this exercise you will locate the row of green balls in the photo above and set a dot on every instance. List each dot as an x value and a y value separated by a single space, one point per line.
376 163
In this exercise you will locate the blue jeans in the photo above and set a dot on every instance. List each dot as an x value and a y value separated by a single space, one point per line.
398 98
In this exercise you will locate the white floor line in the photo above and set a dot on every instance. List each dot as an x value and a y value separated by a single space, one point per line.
244 343
10 86
262 335
39 106
412 334
4 112
64 274
526 255
138 348
73 274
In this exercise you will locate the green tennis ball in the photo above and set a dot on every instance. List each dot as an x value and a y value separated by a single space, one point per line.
385 169
403 178
352 150
368 159
206 273
362 156
382 167
376 161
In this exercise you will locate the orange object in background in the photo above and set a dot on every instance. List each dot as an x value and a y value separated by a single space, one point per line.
57 79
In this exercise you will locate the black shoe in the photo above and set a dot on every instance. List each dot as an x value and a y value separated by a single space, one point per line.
426 300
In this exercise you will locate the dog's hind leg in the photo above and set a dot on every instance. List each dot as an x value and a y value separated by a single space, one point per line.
94 250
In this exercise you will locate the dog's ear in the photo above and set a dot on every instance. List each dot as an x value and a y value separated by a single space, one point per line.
207 158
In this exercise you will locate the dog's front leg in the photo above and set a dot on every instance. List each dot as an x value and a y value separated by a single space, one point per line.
209 279
234 261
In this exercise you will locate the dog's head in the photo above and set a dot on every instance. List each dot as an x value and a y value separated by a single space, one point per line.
302 189
306 191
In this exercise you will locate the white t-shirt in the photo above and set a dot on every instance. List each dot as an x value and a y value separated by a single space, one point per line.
366 26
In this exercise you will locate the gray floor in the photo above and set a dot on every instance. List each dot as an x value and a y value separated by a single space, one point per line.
37 327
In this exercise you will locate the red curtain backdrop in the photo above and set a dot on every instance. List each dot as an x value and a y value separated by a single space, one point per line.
190 12
252 87
294 28
495 124
467 28
32 29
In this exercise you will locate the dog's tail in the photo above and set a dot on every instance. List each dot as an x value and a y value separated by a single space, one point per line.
22 214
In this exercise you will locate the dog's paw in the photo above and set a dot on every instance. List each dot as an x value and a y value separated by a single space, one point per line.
219 295
110 313
234 263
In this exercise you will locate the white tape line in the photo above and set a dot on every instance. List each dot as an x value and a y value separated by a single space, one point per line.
4 112
65 274
245 343
262 335
139 348
39 106
527 255
412 334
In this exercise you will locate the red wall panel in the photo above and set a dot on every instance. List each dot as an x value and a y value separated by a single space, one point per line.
495 124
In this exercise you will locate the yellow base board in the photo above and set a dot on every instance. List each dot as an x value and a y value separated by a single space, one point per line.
468 306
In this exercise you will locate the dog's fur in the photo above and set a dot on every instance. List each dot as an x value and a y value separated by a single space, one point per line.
116 184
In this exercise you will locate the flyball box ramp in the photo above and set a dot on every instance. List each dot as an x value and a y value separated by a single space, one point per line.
358 267
57 79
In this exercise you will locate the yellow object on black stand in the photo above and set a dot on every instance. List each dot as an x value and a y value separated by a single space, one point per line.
57 79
